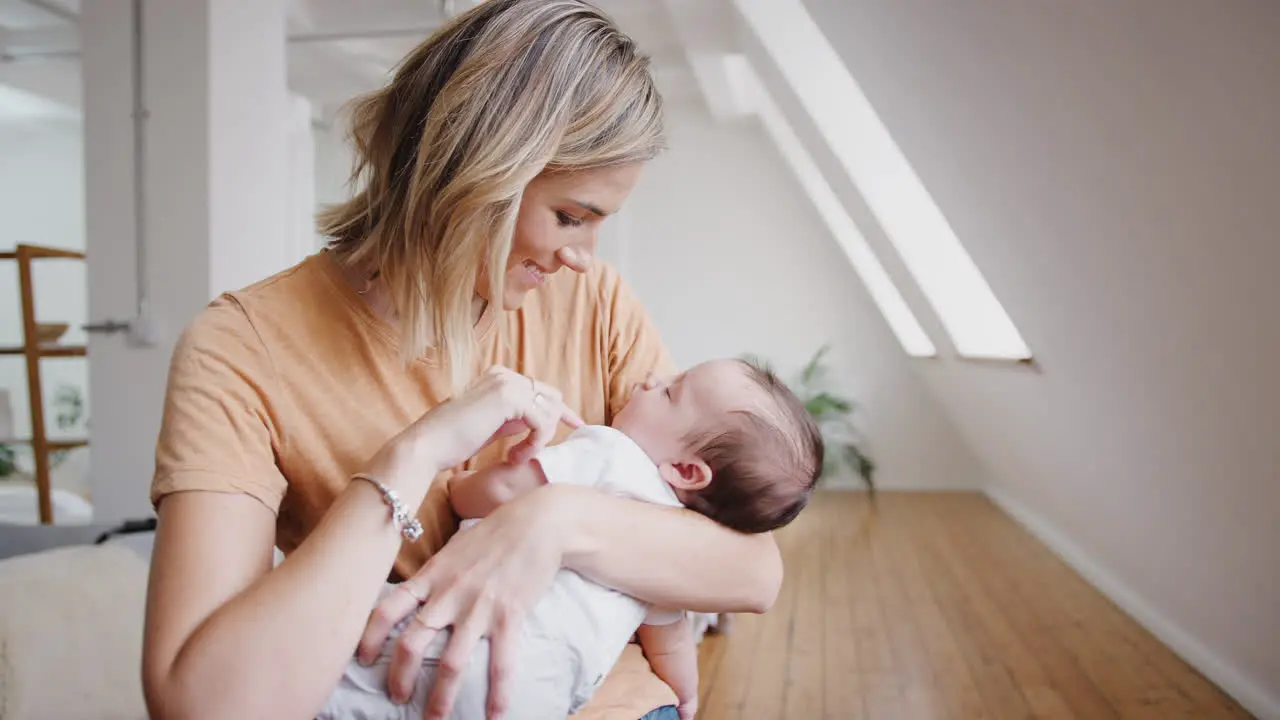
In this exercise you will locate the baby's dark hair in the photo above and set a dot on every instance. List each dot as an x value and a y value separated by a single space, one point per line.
764 461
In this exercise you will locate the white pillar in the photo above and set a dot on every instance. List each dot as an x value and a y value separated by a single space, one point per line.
301 211
249 141
216 199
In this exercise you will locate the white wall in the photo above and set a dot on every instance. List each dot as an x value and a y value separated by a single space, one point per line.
1114 172
729 257
42 203
332 163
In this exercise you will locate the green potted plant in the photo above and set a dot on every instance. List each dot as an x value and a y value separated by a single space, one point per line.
68 406
833 413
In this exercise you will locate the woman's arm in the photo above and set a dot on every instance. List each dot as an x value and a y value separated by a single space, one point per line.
638 548
643 550
227 636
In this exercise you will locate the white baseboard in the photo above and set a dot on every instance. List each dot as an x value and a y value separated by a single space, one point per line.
1253 697
842 486
843 483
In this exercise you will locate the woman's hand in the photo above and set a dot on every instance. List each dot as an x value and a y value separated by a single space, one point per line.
482 584
485 580
498 402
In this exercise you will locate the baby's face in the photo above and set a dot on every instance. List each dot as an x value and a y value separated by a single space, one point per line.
661 418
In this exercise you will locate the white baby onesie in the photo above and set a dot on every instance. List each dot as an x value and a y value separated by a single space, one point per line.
575 632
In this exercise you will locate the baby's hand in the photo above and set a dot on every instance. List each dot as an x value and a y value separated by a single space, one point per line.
688 709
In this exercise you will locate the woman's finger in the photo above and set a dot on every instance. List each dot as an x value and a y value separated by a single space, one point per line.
552 412
538 421
395 607
548 397
503 644
511 427
453 666
543 422
406 660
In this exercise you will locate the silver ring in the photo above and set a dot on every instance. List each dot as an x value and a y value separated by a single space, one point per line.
538 398
412 594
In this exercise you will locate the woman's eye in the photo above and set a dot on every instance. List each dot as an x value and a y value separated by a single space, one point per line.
564 219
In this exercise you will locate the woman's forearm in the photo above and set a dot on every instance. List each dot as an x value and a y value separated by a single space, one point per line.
277 648
665 556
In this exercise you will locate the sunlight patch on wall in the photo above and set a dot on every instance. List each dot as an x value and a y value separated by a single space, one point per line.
947 276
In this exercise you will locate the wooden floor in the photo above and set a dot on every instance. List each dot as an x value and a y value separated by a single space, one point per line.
939 606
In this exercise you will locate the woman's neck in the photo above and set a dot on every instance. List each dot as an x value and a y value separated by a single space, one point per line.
372 290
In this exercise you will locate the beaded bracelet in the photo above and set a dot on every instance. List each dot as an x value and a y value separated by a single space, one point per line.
409 526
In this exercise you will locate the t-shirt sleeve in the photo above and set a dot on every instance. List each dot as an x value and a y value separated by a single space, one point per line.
217 433
635 348
581 459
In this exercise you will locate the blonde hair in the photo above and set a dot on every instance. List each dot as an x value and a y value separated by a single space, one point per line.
506 91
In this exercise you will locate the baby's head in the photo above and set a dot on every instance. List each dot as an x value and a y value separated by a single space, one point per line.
732 440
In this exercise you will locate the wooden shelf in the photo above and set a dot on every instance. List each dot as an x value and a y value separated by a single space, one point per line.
32 350
44 253
48 350
53 444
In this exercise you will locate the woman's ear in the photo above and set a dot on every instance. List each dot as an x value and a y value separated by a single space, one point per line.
690 474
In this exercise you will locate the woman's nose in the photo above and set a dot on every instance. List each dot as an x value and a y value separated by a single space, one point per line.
575 258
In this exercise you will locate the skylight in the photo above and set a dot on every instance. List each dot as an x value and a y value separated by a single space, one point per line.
883 292
948 277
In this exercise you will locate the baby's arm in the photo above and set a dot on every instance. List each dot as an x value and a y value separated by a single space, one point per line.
581 459
476 494
674 657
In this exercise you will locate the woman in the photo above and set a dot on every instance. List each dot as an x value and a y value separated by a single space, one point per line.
487 165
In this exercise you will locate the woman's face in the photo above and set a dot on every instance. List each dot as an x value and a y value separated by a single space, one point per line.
559 220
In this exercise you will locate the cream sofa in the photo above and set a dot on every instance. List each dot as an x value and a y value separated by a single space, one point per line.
71 624
71 615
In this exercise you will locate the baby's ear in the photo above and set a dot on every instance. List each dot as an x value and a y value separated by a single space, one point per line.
691 474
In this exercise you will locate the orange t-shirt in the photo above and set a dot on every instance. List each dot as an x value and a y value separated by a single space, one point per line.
285 389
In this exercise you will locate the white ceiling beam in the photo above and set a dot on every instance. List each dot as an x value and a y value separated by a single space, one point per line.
65 11
707 40
51 41
57 82
329 76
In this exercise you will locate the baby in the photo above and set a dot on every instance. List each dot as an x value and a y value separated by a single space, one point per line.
725 439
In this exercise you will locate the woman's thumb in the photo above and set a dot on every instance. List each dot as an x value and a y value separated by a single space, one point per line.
511 427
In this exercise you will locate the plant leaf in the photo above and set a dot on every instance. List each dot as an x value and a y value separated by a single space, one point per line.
824 404
814 369
8 461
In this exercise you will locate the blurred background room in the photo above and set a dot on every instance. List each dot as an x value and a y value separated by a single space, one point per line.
1018 257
